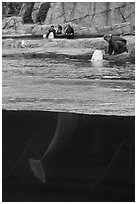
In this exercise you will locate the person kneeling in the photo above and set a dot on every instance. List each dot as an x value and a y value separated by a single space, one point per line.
116 44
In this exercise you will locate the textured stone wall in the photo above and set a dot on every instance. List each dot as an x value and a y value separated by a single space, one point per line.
87 18
91 14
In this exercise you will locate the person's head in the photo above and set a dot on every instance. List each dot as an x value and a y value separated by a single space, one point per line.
107 37
59 27
52 26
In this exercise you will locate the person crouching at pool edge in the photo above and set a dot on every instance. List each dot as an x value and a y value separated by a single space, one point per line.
116 44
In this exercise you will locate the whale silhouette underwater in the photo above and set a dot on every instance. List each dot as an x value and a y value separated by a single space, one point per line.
65 128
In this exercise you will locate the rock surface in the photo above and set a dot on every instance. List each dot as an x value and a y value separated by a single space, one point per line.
78 47
95 14
14 23
97 18
26 12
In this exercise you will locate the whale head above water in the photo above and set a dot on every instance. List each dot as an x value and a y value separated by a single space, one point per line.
97 55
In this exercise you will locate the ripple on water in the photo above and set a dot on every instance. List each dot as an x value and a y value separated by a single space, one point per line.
66 68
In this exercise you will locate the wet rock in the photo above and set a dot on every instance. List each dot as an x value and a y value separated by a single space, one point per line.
132 55
121 58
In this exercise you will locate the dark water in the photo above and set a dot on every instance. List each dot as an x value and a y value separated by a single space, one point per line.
73 170
63 67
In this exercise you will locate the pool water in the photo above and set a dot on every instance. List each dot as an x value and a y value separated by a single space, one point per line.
27 84
64 67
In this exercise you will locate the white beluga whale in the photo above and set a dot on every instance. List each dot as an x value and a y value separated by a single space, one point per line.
65 128
97 55
97 58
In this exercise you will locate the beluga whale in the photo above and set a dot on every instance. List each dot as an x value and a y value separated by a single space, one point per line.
65 128
97 55
97 58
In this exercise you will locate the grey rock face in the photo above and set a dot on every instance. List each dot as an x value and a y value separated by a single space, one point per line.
91 14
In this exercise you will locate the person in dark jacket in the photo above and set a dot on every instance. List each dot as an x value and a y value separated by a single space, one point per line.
116 44
69 32
52 29
59 31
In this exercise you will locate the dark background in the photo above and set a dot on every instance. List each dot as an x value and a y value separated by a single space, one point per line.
74 168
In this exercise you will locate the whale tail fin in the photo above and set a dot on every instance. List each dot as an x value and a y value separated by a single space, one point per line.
38 169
